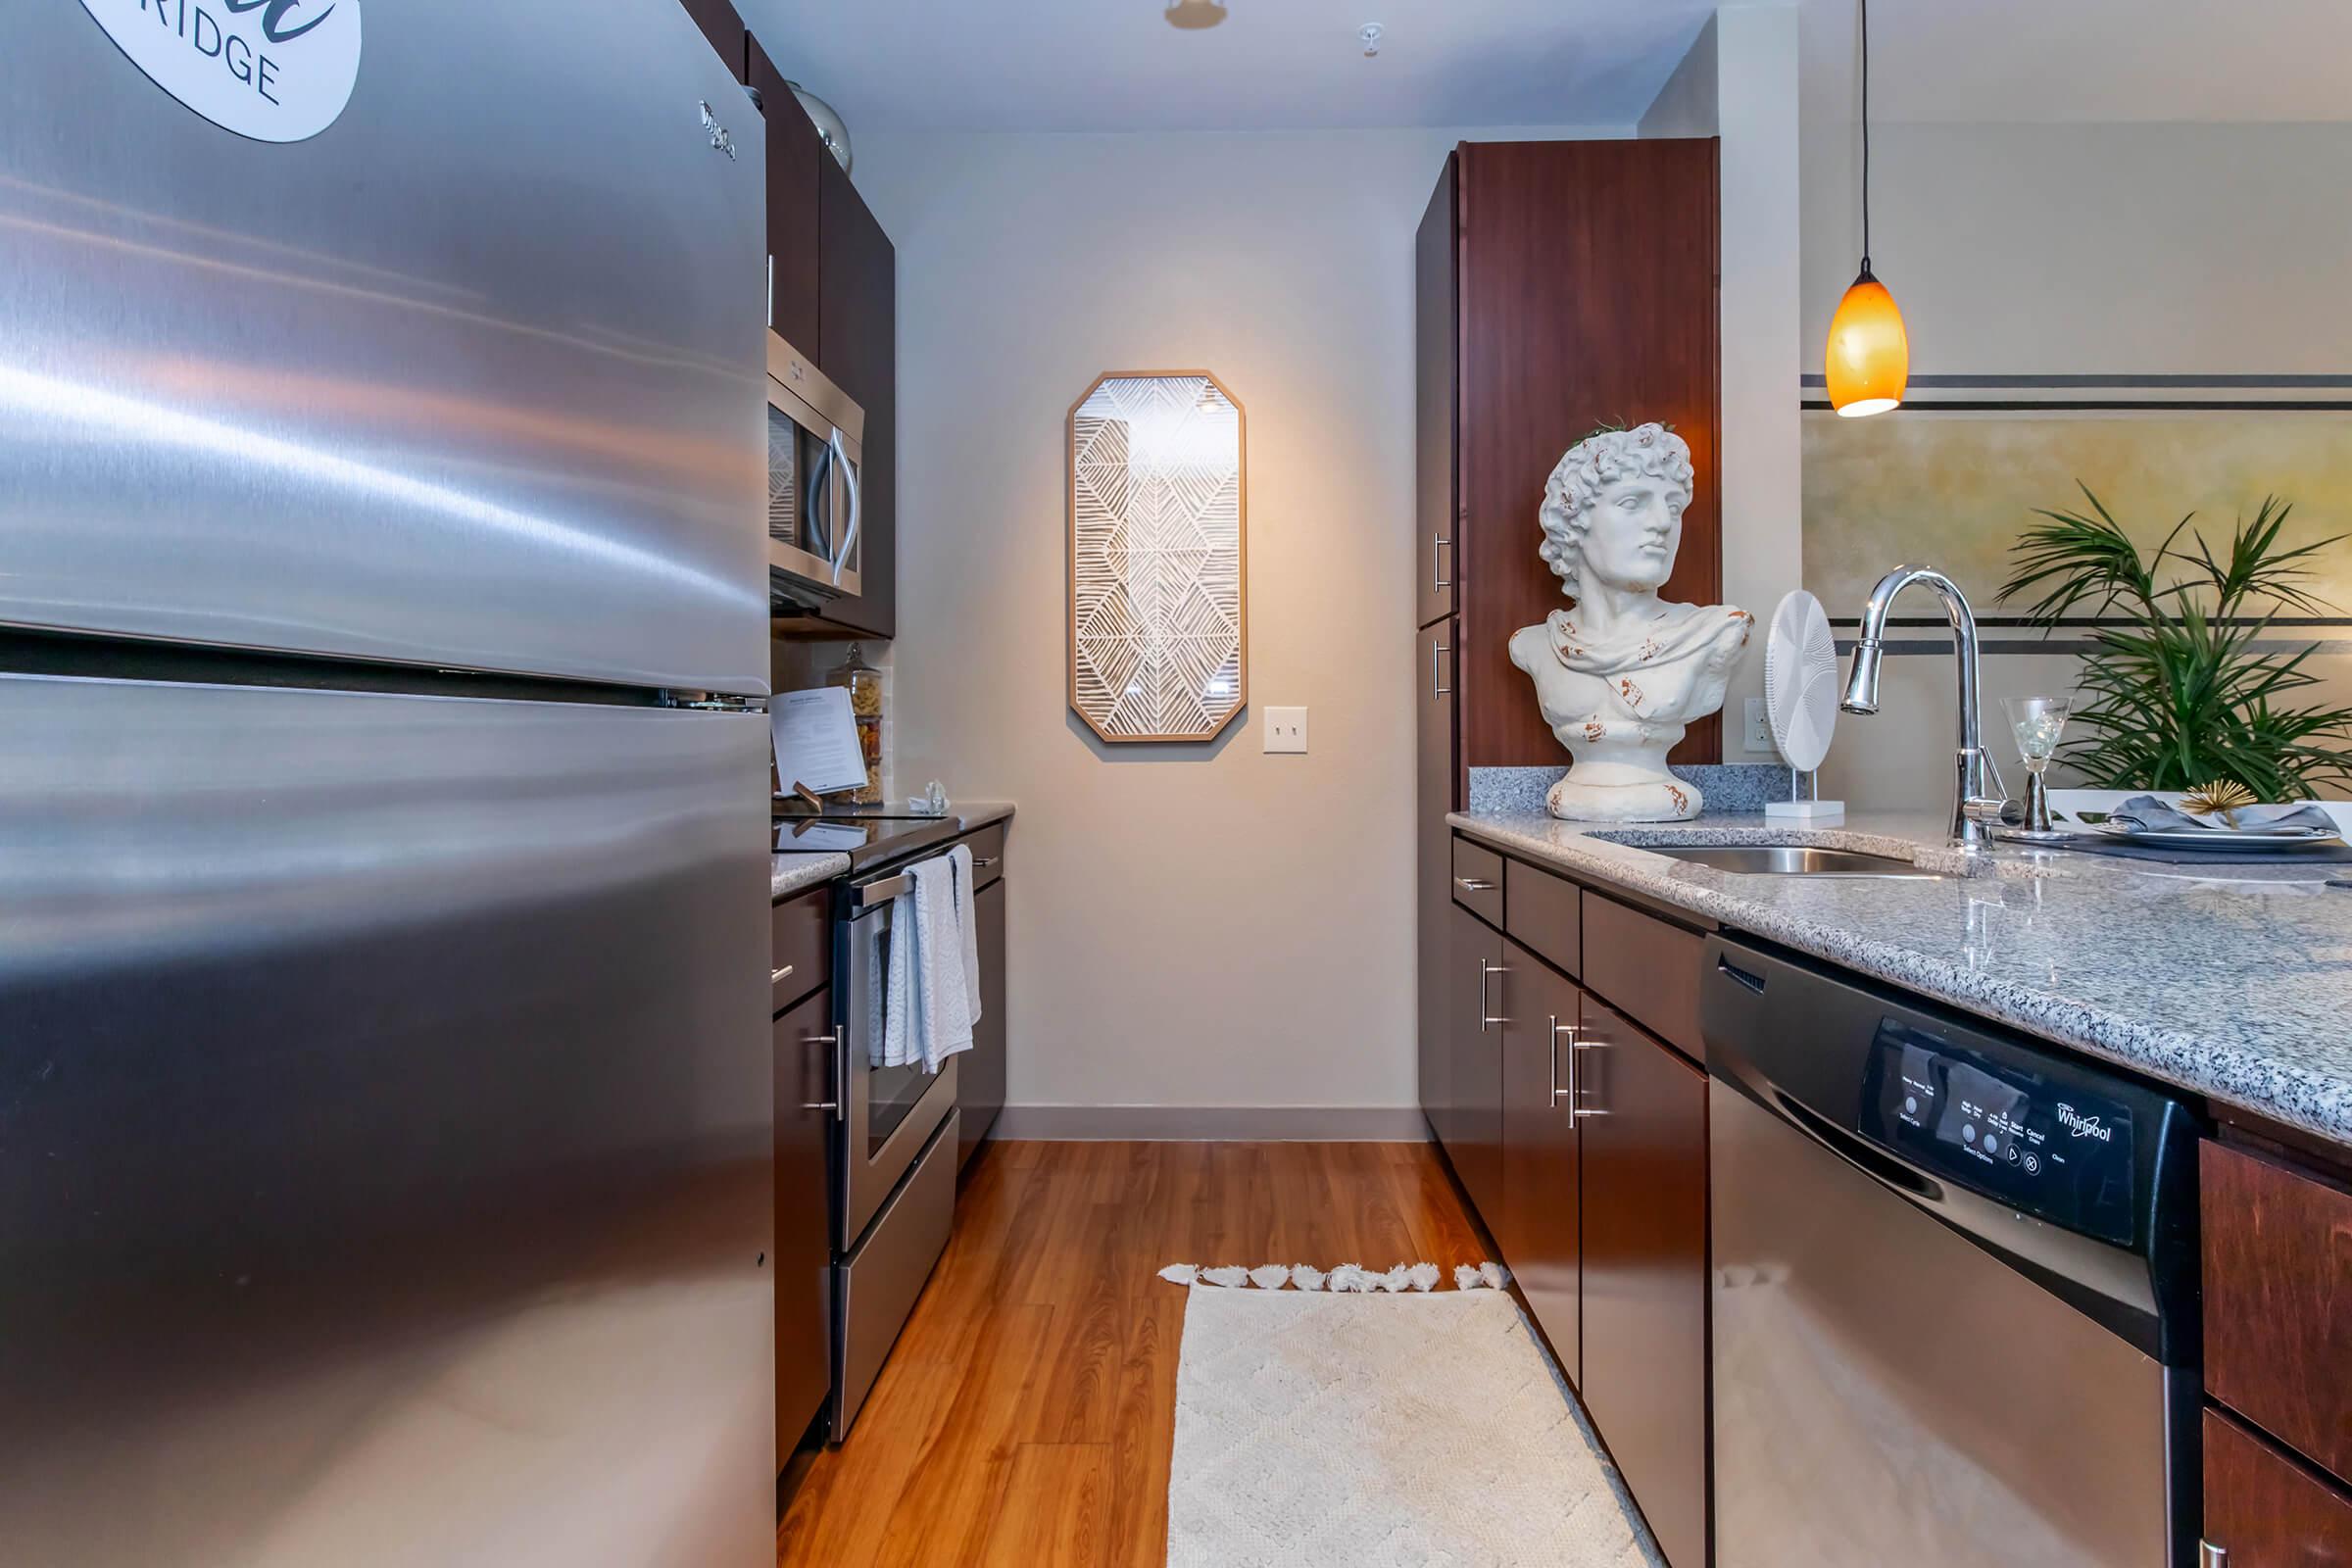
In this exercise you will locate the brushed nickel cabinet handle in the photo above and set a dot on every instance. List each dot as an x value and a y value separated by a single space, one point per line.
1474 884
1557 1093
984 861
1484 969
1437 580
833 1039
776 977
1437 670
1575 1049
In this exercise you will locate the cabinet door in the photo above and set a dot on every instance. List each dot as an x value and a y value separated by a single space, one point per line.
1434 769
1644 1170
804 1070
980 1076
794 153
2264 1510
1541 1210
1474 1076
857 300
1435 345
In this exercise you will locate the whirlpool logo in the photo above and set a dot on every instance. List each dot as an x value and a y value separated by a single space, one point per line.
272 69
2081 1126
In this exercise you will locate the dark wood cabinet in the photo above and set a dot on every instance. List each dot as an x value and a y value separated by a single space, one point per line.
1473 1126
1541 1225
1560 287
793 156
1646 967
1435 334
805 1069
1644 1270
980 1074
2277 1266
2265 1510
1434 768
858 295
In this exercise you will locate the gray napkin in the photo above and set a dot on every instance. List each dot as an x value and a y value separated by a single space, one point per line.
2147 813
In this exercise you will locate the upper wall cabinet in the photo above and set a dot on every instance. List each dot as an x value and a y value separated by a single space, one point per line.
1562 287
857 305
833 295
794 154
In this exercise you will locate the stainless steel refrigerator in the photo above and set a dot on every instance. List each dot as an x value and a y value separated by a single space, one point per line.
384 1078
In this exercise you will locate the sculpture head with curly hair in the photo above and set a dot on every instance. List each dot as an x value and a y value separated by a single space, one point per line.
1619 675
1642 479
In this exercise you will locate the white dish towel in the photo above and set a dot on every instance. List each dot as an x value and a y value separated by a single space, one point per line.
968 924
928 1014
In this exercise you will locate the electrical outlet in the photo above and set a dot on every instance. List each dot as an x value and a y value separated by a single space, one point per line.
1759 729
1286 729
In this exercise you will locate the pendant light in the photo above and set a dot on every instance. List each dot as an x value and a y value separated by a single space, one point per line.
1868 360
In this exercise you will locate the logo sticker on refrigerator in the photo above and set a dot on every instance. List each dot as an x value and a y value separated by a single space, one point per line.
272 69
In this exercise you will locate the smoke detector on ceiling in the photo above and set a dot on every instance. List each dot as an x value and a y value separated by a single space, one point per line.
1193 15
1371 39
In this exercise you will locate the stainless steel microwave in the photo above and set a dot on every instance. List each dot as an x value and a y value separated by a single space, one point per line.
816 452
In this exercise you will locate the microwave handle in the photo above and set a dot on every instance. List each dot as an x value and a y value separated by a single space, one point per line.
848 478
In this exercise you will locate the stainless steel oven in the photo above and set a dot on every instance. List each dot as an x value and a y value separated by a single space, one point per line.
894 1189
815 454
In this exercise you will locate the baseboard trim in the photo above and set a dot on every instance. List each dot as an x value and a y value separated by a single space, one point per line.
1337 1124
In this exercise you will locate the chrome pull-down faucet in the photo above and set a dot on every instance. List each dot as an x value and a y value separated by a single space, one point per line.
1976 806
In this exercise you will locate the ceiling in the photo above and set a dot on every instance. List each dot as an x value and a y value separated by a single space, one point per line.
1114 64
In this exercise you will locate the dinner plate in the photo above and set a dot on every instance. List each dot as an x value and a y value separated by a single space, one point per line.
2223 839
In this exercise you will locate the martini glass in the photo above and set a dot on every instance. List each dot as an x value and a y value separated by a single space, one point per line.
2038 722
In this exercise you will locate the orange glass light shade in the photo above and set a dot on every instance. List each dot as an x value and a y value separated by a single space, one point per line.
1870 355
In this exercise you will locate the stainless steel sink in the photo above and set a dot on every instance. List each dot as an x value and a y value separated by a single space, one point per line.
1760 860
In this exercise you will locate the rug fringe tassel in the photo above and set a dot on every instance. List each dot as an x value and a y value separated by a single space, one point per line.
1343 1278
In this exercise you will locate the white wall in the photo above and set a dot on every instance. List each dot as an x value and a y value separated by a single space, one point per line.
1218 941
1739 82
2140 249
2121 249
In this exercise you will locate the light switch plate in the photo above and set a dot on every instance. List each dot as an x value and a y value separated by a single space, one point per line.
1286 729
1759 728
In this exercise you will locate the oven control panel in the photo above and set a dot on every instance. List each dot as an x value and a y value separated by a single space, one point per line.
2045 1147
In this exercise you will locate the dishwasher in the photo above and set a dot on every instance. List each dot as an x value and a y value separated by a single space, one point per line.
1954 1287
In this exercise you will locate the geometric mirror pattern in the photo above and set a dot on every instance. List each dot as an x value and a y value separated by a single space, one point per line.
1159 556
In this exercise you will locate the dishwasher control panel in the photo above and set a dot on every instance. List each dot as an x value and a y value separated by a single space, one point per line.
2059 1151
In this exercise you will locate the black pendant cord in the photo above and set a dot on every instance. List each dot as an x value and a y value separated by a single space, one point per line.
1865 4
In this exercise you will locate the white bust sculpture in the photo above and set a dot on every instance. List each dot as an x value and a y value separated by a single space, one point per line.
1620 673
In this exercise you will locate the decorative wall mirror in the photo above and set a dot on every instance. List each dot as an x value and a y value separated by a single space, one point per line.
1159 556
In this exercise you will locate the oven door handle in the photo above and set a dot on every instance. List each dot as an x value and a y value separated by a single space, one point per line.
882 892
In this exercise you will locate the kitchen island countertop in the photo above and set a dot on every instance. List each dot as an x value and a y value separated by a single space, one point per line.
2234 982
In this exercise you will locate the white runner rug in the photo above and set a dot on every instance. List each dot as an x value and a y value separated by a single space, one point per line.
1382 1431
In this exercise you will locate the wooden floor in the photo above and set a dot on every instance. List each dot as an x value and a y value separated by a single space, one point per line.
1026 1414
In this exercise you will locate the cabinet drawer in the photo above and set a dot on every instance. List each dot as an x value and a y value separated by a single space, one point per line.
1478 880
2277 1257
798 947
987 853
1543 912
1645 968
2266 1511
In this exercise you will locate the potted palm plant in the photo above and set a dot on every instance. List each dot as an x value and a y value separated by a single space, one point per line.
2179 695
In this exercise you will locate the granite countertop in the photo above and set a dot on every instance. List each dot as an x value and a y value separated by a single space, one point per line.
797 872
2234 982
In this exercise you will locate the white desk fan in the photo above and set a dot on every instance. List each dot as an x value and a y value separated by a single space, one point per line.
1800 700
